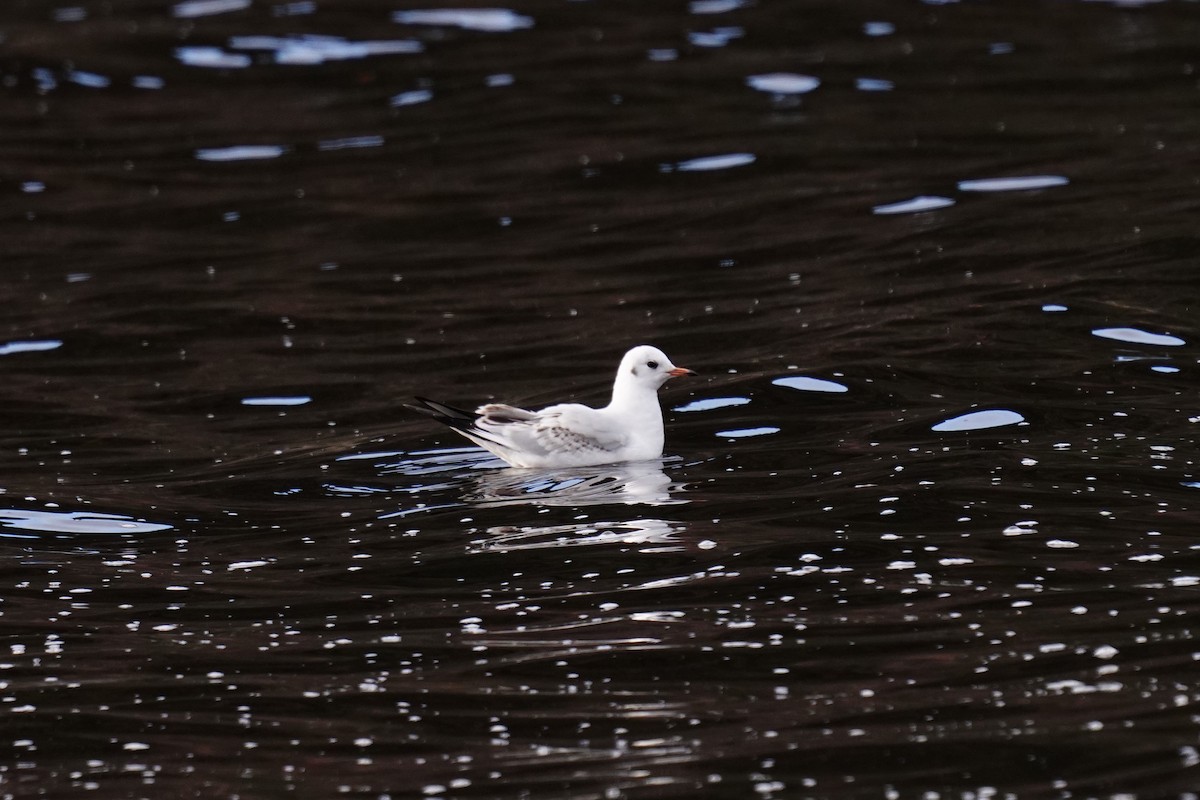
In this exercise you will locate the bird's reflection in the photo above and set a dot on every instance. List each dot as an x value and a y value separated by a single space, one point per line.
634 483
648 535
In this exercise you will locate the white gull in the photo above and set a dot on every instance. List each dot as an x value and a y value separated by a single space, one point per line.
629 428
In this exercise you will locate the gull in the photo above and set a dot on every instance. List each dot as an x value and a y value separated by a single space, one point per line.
629 428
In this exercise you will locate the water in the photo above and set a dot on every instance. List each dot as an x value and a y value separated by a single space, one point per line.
925 524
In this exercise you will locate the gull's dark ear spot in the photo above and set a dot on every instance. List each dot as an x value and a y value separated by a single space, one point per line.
633 370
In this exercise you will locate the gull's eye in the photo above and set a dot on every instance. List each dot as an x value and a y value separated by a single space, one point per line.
652 364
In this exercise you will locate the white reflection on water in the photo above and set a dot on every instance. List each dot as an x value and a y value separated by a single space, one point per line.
657 532
248 152
1138 336
635 483
710 403
711 163
75 522
741 433
423 462
412 98
980 420
873 85
311 49
804 383
492 20
718 37
783 83
29 346
204 8
714 6
211 57
914 205
1013 184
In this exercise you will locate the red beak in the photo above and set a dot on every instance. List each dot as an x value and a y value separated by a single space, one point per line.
679 371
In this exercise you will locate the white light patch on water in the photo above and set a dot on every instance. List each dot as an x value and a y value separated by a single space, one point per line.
31 346
803 383
211 57
206 8
1053 307
783 83
914 205
283 400
412 98
711 163
878 28
296 9
1062 544
349 143
243 152
491 20
1138 336
1022 528
710 403
718 37
310 49
714 6
1165 370
75 522
980 420
873 85
90 79
1016 184
741 433
245 565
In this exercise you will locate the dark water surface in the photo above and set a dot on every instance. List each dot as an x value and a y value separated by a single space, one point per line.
927 523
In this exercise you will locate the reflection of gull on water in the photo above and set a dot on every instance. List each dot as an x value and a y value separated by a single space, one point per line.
658 533
640 482
432 474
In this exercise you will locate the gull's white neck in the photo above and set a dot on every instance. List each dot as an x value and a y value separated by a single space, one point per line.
636 404
630 395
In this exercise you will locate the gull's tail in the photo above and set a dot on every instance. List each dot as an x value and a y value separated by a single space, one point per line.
464 422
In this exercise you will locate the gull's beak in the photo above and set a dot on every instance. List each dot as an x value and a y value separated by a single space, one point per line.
679 371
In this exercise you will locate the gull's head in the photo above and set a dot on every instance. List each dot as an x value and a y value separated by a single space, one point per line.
648 366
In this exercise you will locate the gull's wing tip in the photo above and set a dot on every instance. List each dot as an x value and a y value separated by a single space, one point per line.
441 412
